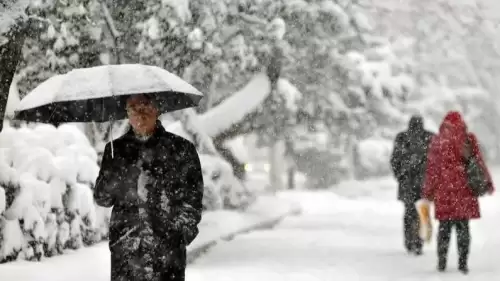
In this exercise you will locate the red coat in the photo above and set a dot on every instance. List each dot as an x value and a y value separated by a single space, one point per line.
445 179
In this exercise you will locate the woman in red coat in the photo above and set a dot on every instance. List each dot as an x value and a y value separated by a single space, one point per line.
446 184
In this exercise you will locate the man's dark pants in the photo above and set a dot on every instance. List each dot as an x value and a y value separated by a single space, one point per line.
413 242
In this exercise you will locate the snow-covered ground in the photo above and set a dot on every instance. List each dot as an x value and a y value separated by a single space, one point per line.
352 232
93 263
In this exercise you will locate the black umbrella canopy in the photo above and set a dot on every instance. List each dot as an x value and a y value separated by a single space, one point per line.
102 109
99 94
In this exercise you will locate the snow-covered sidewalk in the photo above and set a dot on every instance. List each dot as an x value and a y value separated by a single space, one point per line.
93 263
352 233
223 225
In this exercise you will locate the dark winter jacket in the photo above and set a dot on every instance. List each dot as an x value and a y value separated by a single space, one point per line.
446 180
409 158
174 200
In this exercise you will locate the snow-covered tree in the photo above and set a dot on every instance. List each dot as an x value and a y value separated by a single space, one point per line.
310 65
222 188
14 27
380 84
66 37
477 106
367 101
209 43
450 40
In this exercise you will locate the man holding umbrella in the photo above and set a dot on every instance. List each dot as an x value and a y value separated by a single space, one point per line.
155 185
150 177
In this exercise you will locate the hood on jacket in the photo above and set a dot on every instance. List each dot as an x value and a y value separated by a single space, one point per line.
416 124
452 134
454 123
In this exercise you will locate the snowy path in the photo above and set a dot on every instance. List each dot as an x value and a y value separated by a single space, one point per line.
339 238
356 236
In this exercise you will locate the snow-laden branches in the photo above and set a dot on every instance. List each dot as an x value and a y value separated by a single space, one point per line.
46 177
10 12
114 32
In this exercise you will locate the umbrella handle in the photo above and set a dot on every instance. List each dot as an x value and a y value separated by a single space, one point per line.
111 136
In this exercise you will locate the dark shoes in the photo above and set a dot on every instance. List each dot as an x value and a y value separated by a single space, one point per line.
441 265
417 251
462 267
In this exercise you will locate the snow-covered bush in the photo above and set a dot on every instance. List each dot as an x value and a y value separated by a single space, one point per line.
46 202
373 158
323 169
477 106
317 159
222 189
384 83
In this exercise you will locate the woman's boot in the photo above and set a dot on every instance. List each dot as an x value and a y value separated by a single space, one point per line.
463 239
462 265
441 264
443 243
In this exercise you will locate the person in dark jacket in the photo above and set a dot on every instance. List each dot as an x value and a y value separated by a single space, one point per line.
408 161
154 183
447 185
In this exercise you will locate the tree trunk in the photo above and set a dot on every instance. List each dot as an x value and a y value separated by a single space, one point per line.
276 167
10 54
351 150
208 100
292 166
204 144
291 177
227 154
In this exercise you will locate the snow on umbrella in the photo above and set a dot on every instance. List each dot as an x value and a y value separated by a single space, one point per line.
99 94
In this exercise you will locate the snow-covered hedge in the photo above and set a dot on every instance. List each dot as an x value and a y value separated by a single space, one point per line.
222 189
373 158
322 164
46 203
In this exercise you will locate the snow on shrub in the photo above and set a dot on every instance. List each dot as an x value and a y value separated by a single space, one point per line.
222 189
373 157
46 203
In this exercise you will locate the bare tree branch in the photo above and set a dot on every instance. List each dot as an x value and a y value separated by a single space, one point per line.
252 19
117 36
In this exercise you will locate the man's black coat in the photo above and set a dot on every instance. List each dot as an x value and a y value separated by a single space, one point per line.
172 210
409 158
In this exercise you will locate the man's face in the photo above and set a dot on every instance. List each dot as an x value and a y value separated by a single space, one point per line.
142 114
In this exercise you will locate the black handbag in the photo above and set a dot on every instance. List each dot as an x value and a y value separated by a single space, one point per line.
475 177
